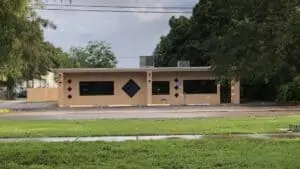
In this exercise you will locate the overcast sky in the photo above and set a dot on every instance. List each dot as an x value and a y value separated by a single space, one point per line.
130 34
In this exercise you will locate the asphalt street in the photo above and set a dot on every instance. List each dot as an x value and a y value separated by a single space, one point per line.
23 105
49 111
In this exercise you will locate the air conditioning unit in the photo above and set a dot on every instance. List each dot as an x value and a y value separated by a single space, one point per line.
146 61
183 63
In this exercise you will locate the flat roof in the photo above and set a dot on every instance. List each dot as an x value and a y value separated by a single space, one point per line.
155 69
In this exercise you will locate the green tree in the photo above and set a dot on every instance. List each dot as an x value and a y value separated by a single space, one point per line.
20 42
97 54
256 41
179 44
59 58
46 56
250 40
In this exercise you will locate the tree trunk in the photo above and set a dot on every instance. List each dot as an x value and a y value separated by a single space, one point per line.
10 84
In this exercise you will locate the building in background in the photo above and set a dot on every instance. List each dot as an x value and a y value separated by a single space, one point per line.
46 81
21 88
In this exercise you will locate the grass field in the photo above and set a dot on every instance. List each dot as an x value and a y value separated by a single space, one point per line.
13 128
171 154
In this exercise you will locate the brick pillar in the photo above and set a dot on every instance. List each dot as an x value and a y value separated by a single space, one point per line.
235 92
61 90
149 88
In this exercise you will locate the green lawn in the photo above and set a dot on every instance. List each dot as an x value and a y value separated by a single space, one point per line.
13 128
171 154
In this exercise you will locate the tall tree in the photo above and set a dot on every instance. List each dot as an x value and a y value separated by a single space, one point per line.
97 54
46 56
247 37
254 40
179 44
20 41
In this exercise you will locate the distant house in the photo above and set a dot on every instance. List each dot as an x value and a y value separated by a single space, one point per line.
47 81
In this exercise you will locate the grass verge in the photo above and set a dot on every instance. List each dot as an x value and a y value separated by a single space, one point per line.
4 111
171 154
17 128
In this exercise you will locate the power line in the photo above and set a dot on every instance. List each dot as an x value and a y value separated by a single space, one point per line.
116 6
127 57
113 11
125 2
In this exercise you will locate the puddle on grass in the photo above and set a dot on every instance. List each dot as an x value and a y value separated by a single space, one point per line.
137 138
290 135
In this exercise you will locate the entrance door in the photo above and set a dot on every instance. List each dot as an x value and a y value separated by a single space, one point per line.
226 92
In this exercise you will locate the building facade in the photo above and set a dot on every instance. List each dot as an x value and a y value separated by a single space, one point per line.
140 86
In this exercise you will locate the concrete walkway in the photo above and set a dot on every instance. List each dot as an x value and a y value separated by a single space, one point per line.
151 137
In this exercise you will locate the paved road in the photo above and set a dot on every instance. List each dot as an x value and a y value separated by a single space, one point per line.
154 113
23 105
49 111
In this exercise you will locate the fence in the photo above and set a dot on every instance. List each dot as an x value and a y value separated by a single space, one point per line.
42 94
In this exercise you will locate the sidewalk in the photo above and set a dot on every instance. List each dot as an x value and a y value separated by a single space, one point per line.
151 137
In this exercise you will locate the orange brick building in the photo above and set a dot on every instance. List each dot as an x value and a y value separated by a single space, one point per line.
86 87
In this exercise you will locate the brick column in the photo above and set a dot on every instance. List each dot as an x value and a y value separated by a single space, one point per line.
149 88
235 92
61 90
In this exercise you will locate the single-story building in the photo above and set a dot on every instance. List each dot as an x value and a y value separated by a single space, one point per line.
85 87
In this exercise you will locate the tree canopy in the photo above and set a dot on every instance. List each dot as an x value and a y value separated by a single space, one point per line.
97 54
239 38
253 40
24 54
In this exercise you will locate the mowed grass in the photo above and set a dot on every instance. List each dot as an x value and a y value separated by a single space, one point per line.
171 154
13 128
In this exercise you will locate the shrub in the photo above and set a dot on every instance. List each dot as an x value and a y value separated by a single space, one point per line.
290 92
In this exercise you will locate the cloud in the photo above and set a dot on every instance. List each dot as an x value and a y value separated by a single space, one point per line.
148 17
130 34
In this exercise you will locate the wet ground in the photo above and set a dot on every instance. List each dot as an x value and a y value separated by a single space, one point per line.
140 138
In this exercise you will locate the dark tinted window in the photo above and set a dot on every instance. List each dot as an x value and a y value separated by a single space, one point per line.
96 88
199 86
131 88
160 88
